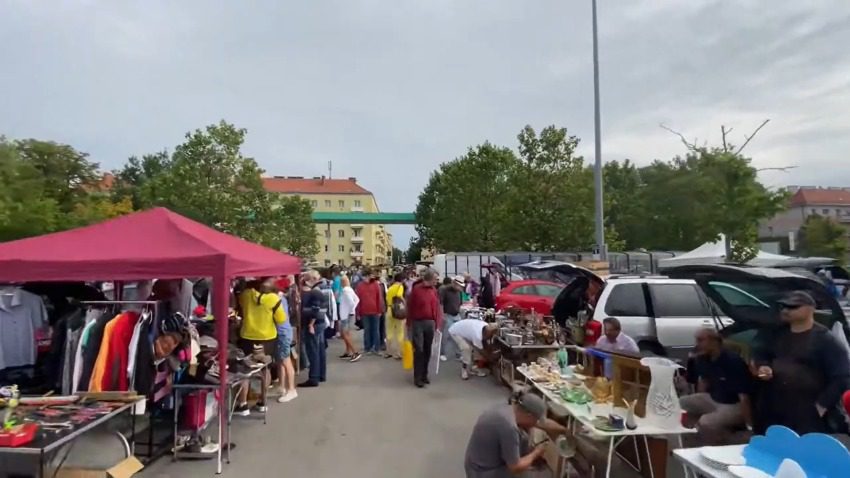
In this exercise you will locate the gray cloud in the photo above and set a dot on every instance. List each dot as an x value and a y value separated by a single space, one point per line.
388 90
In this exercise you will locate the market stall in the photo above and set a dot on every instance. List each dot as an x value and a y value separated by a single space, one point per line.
40 427
153 244
605 398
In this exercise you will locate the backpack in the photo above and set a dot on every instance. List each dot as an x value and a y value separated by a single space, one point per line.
399 308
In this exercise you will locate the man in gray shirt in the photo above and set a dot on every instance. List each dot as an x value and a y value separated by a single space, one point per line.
498 446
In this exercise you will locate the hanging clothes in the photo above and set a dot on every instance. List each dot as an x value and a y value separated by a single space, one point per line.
92 345
117 353
91 318
99 369
21 315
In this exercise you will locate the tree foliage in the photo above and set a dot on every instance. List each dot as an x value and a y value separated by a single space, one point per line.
823 237
541 199
464 201
47 187
413 254
208 179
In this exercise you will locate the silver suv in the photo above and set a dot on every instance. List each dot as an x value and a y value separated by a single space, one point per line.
661 314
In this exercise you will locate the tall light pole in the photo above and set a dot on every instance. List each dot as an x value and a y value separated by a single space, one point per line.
597 127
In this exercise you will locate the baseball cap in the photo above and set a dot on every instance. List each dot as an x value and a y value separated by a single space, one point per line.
797 298
532 404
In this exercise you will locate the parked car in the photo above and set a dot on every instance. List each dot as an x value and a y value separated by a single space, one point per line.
536 295
758 310
661 314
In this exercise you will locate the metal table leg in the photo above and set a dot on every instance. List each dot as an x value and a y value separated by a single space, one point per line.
610 456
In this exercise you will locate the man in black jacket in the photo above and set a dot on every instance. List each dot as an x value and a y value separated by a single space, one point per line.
805 368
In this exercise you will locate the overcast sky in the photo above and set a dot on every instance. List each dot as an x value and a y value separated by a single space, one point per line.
388 90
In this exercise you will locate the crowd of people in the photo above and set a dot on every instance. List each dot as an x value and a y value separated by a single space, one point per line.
336 303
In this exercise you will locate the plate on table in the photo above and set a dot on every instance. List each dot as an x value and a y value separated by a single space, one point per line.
722 457
743 471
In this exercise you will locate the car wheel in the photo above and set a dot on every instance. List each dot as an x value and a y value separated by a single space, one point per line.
651 349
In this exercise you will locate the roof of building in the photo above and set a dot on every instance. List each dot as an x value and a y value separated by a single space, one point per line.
317 185
820 196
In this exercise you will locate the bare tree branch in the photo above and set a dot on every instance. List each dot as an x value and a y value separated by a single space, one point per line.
750 137
690 146
784 169
723 138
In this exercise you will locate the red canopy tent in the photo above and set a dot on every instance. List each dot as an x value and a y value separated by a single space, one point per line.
153 244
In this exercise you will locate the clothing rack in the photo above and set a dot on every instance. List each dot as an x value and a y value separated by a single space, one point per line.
154 449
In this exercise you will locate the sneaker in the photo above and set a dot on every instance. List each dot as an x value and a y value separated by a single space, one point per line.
443 358
261 407
397 357
464 374
426 381
288 396
242 410
346 356
480 373
388 356
357 356
308 384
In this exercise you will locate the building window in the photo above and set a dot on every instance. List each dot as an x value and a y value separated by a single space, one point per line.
341 233
341 262
327 233
357 203
356 248
327 203
341 204
341 248
327 262
314 203
826 212
356 233
326 248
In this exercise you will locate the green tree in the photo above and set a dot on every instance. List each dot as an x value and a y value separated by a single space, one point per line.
26 208
398 256
823 237
208 179
549 200
67 174
464 201
413 254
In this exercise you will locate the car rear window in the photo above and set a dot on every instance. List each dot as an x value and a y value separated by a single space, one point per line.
524 290
626 300
678 300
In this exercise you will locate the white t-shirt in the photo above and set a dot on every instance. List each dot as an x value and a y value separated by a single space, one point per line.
471 330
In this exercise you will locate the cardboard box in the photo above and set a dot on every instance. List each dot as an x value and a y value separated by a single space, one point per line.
124 469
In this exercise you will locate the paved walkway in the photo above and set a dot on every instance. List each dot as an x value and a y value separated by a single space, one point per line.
367 421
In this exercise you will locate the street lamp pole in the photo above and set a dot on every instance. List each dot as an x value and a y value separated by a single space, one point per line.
597 169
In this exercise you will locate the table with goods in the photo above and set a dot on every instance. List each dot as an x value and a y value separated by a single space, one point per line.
779 453
523 338
44 427
604 412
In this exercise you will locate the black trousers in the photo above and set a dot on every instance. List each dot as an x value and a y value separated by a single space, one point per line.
422 332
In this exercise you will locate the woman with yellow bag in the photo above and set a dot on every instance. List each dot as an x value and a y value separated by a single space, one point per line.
396 315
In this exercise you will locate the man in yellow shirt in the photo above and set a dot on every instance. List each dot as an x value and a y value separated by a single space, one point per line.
262 311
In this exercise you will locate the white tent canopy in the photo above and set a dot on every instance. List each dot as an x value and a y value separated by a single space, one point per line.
715 253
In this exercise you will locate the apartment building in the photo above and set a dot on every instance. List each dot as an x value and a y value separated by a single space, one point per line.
341 244
805 201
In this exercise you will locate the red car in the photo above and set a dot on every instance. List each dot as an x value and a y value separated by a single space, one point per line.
537 295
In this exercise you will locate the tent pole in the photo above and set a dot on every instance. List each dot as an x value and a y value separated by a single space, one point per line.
221 304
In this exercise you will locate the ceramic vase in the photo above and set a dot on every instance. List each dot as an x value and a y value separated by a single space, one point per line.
662 401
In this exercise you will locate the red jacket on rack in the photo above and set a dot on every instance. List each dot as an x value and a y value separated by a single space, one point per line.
115 375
